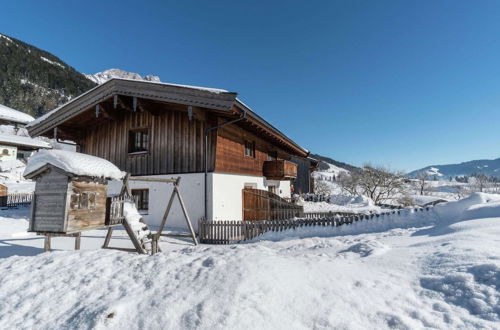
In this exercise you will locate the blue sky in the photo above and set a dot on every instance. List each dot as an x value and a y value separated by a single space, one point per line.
399 83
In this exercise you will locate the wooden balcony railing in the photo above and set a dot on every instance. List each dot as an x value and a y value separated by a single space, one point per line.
280 169
264 205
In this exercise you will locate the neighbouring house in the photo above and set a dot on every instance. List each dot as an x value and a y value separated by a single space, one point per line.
217 145
15 142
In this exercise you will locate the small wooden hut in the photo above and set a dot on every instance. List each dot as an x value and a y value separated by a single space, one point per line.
70 194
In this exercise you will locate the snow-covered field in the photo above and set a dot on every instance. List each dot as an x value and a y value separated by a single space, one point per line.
436 269
342 203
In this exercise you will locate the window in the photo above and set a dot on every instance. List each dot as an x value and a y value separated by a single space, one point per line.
272 155
141 197
138 140
250 149
83 201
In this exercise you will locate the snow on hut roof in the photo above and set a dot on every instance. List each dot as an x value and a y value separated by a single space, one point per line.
75 163
9 114
23 141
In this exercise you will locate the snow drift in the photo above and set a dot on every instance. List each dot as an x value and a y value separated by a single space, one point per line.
384 274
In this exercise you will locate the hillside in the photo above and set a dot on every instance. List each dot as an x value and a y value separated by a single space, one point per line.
482 166
35 81
325 161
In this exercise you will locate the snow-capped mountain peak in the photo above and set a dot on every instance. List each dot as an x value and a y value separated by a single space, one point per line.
101 77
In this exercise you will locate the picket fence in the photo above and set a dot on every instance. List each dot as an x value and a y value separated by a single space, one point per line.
228 232
13 200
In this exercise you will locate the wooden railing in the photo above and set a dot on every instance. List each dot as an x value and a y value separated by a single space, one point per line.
264 205
13 200
279 169
114 210
228 232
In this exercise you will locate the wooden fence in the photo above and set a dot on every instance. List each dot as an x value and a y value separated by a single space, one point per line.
227 232
318 215
114 210
264 205
13 200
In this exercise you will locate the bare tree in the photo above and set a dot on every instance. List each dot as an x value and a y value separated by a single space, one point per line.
422 177
321 187
380 183
348 183
479 182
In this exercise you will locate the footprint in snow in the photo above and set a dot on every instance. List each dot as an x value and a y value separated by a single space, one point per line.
367 249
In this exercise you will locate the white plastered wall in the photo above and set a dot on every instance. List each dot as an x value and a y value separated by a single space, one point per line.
192 191
225 197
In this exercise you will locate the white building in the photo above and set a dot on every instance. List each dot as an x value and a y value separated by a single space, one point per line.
15 142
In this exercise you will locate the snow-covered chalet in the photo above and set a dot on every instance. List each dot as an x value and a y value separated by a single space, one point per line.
210 138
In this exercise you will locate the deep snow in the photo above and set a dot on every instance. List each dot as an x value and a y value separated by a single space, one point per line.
436 269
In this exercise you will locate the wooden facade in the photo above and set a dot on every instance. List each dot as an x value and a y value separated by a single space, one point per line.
230 152
176 144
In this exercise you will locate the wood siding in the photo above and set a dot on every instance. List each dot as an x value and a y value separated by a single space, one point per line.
176 144
230 153
49 205
84 219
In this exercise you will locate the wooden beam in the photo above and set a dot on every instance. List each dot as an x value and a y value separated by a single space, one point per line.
115 115
122 103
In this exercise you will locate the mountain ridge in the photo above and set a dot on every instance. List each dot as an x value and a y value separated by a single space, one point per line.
324 161
488 167
35 81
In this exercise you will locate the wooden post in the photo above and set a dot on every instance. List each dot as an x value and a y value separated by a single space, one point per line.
108 238
183 207
46 243
78 241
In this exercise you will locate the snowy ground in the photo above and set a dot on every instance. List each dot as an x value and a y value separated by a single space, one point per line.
437 269
343 203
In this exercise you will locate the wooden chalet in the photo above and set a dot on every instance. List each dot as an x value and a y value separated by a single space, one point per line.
208 136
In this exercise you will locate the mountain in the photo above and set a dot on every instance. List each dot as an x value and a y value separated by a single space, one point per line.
35 81
483 166
325 162
104 76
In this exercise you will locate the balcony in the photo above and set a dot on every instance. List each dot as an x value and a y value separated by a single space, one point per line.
280 169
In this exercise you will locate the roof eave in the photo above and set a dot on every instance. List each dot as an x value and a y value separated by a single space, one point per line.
254 115
142 89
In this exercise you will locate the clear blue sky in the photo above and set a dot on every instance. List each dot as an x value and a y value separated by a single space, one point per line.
399 83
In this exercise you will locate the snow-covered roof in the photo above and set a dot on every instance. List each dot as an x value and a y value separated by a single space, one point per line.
23 141
75 163
9 114
8 165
